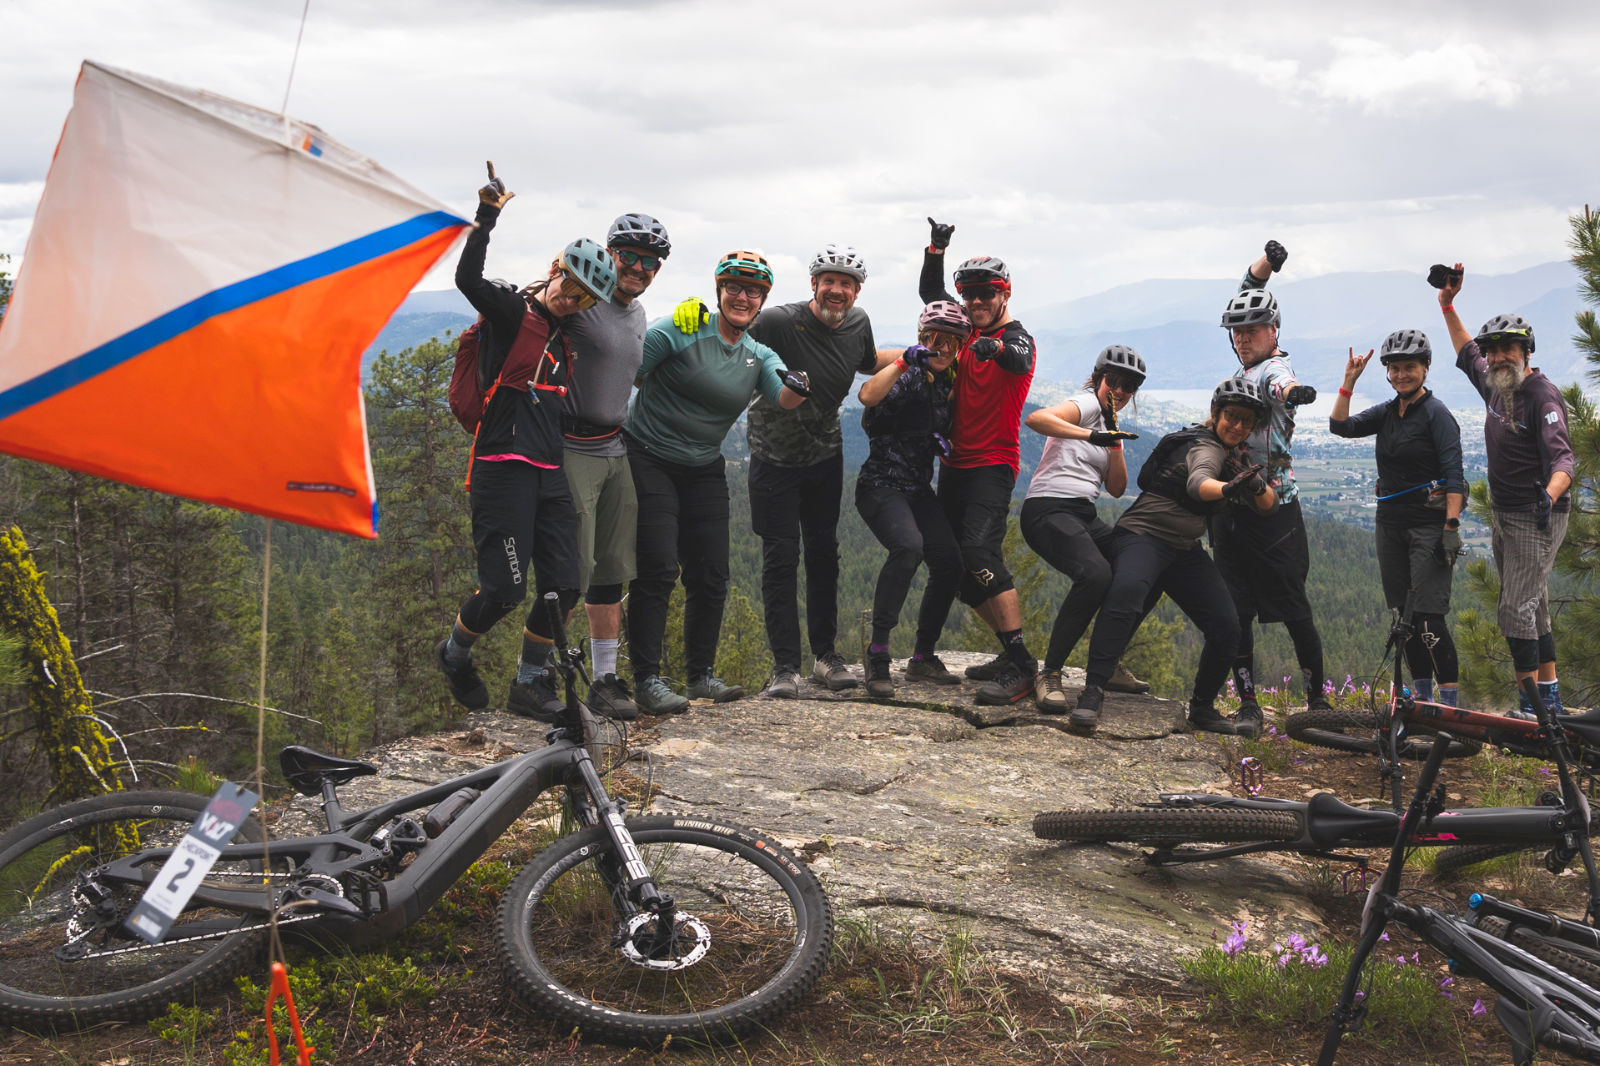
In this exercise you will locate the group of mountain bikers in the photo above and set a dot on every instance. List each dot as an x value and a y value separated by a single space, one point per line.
597 462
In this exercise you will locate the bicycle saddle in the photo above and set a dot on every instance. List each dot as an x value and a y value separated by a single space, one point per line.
307 769
1586 725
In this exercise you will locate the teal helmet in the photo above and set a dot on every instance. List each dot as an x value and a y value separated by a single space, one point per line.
747 266
590 265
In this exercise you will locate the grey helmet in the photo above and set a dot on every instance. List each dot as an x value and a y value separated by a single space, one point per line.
839 259
1406 344
1120 357
1506 327
639 231
1241 392
982 270
1249 308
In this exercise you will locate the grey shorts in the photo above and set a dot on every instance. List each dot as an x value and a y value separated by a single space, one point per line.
1408 562
608 517
1524 555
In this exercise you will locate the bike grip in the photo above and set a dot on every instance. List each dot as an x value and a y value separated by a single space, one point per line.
558 630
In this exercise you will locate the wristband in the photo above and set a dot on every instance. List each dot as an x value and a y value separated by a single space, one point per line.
1346 393
1117 447
1448 308
1452 523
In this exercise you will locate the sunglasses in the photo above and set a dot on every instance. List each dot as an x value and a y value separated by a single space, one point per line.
733 288
1124 385
648 263
573 289
981 294
946 343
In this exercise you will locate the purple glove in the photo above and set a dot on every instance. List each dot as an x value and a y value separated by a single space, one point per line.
942 442
916 357
1541 509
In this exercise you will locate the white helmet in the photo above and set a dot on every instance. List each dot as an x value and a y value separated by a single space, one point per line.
839 259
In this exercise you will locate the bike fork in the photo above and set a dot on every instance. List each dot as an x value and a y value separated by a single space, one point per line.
633 888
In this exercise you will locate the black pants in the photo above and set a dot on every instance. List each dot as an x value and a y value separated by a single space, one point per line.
790 505
914 530
523 519
1067 534
683 524
1142 565
975 501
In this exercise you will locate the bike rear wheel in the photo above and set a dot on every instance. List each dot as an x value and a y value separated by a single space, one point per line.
1357 731
752 934
1569 958
43 982
1168 825
1452 860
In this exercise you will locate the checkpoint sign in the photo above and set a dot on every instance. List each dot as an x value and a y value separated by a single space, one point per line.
190 861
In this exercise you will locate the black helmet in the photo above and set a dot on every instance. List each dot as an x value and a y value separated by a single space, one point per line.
1406 344
1250 307
639 231
1506 327
982 270
1241 392
1120 357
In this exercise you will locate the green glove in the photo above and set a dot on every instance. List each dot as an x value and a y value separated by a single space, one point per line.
691 316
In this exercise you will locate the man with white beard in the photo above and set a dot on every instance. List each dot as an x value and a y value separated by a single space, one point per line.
1530 471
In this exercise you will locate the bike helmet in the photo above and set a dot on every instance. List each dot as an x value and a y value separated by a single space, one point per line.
639 231
1250 307
943 316
591 266
839 259
1506 327
982 270
748 266
1241 392
1406 344
1120 357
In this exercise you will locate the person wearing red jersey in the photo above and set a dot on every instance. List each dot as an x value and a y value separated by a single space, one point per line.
993 373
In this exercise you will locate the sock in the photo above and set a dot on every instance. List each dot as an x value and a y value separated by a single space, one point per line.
605 656
1447 695
459 648
875 648
1422 688
1017 651
1550 692
1244 679
535 654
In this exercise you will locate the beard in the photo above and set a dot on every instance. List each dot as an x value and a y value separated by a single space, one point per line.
830 314
1504 380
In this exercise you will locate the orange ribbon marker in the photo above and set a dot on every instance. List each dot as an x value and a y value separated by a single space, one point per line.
280 988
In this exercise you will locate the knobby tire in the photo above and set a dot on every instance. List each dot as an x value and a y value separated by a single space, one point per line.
1356 731
1569 958
39 862
760 915
1151 825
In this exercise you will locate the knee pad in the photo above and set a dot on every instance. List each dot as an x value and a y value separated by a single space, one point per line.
1547 647
1524 654
603 595
539 617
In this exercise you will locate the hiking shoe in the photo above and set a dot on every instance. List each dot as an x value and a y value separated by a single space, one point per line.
1123 681
536 698
1316 701
1047 692
656 697
1009 687
785 684
1248 721
990 670
1086 715
1207 720
878 683
831 670
465 684
716 690
930 669
609 697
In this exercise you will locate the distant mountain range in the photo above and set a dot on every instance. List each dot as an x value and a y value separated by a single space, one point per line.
1173 324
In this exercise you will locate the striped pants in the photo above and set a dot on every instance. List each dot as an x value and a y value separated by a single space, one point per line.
1524 554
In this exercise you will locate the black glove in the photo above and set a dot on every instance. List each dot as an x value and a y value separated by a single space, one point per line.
986 348
1440 275
797 382
1449 546
1300 394
1541 510
1244 486
941 233
916 357
1110 438
1277 255
494 194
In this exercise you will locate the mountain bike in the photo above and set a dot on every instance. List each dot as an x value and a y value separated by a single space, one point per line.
635 930
1543 966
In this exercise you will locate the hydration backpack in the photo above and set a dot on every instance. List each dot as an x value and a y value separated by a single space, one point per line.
1166 472
479 359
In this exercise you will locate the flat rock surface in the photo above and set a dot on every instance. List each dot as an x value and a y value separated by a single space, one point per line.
917 813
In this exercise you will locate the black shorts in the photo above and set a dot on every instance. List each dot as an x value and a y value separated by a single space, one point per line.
1264 559
522 515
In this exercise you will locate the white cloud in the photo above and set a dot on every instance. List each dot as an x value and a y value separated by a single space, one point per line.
1380 77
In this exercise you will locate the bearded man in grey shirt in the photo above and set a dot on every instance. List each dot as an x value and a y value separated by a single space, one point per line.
608 347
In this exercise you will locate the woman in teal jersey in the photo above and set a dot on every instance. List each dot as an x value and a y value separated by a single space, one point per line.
692 388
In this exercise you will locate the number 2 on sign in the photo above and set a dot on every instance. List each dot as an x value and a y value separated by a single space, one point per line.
188 868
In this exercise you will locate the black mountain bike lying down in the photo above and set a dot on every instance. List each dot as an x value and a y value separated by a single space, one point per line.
1546 969
634 930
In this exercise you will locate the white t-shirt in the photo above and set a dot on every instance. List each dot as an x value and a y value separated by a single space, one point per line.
1073 469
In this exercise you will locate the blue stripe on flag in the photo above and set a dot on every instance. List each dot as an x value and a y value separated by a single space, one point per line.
180 320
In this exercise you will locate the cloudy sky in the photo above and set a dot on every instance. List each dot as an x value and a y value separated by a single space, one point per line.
1089 145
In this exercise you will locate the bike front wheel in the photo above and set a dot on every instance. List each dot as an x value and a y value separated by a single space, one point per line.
65 961
751 934
1357 731
1168 825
